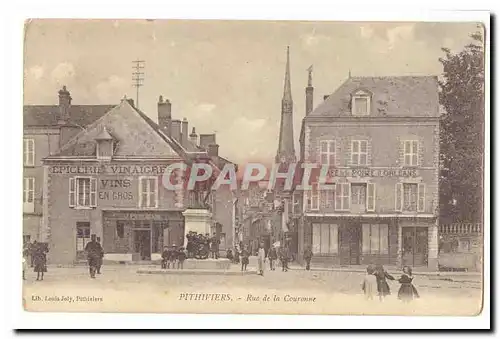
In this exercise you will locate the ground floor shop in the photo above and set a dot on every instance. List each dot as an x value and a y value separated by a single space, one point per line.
124 235
364 241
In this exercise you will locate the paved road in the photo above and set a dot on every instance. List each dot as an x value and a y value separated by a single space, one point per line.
121 288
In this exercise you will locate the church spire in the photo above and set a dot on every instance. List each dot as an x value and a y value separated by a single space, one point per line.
287 92
286 149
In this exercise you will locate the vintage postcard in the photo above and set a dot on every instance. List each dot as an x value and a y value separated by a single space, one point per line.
253 167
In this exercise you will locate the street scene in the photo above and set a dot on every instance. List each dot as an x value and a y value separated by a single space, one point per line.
338 172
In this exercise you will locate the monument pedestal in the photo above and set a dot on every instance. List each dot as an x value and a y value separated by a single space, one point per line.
197 220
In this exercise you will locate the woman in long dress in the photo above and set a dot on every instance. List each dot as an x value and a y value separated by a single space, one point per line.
40 261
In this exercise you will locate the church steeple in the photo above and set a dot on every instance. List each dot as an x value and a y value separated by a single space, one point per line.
286 149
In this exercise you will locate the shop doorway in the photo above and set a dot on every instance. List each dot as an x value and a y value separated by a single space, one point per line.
414 246
142 244
350 244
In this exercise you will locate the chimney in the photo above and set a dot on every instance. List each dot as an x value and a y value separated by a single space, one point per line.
175 130
325 97
309 93
185 129
207 139
213 150
193 137
165 115
64 104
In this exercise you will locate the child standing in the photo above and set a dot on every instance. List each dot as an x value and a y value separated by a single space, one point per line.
382 285
407 291
369 285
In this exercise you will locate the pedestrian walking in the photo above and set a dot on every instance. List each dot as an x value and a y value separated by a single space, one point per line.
25 260
369 285
101 257
40 260
407 292
244 258
236 255
261 258
93 250
382 285
273 256
308 254
181 257
284 259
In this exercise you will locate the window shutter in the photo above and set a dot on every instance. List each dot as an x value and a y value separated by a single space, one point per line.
347 187
338 196
398 194
332 153
370 197
420 157
72 192
93 192
401 153
141 182
421 197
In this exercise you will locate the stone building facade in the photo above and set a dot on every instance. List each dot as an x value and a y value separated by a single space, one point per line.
109 178
379 137
45 129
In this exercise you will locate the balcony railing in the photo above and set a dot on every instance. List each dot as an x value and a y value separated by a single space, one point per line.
461 228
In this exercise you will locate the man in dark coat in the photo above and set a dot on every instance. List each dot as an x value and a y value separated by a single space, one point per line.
308 254
273 256
94 251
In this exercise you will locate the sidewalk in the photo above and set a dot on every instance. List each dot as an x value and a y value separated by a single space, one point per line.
389 269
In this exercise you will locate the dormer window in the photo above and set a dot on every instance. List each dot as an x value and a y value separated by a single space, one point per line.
361 103
105 145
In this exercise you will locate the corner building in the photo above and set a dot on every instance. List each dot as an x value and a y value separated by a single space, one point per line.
380 138
107 181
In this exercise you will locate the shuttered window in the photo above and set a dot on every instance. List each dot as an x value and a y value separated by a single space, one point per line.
148 192
29 152
83 192
29 195
342 196
410 152
325 238
410 197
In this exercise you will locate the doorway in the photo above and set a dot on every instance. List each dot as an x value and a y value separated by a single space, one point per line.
414 246
350 239
142 244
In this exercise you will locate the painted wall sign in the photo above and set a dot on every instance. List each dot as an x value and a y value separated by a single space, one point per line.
108 169
115 188
373 172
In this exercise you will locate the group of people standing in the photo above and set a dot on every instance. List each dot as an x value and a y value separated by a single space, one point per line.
375 282
172 257
35 255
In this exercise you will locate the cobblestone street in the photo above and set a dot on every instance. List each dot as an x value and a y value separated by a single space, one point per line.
121 288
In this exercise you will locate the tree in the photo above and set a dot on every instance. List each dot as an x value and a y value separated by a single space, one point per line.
462 133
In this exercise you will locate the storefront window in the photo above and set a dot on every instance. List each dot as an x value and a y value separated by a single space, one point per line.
325 238
375 239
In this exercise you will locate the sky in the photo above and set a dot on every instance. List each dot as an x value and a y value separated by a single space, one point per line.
225 77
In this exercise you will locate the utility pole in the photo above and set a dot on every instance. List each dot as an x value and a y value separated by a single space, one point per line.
138 77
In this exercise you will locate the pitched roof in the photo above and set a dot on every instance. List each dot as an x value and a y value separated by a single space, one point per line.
396 96
47 115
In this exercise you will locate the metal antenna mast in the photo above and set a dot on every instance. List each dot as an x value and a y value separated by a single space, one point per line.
138 77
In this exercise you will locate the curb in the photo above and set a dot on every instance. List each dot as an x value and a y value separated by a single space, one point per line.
196 272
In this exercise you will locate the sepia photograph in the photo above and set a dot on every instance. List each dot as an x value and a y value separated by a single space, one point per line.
253 167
